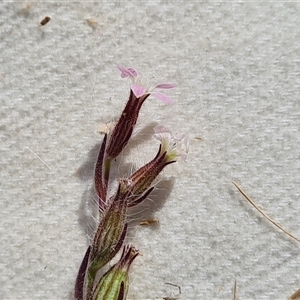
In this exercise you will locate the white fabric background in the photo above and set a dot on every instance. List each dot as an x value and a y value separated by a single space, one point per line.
237 69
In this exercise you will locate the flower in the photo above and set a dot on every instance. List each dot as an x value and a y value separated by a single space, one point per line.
140 90
124 127
114 284
122 132
138 94
139 183
175 146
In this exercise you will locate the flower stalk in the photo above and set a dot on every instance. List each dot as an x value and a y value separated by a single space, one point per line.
111 231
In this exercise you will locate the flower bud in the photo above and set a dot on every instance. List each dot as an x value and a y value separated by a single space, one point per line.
124 128
108 238
139 183
114 284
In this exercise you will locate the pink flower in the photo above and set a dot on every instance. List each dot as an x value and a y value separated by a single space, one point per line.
140 89
140 182
122 132
174 145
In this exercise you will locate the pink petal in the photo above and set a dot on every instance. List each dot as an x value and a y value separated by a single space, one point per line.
163 97
127 72
186 143
184 156
162 133
133 72
165 86
162 129
124 72
138 90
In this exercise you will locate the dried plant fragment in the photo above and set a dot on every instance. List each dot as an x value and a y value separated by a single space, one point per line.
149 222
40 159
265 215
170 298
92 23
296 295
235 291
176 297
106 128
45 21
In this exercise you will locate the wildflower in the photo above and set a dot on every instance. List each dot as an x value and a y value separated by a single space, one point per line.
175 145
139 89
112 229
138 94
124 127
139 183
114 284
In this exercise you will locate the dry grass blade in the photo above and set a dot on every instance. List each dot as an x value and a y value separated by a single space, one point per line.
234 291
149 222
296 295
39 159
266 216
